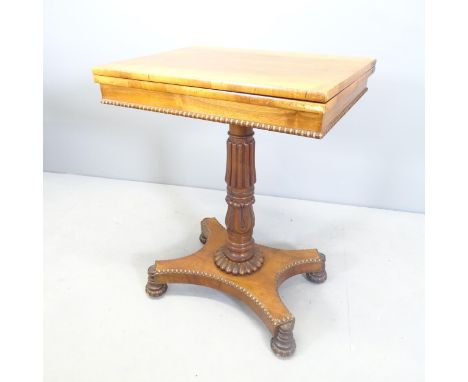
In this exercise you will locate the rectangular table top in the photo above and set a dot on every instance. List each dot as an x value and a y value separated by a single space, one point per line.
297 93
297 76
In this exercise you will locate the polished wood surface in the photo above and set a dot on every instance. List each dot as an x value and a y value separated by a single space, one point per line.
133 84
292 93
240 256
259 290
232 262
300 76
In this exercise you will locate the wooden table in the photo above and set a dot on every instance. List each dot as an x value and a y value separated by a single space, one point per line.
293 93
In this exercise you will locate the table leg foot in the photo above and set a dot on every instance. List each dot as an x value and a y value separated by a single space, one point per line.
320 276
202 238
258 290
283 343
153 289
205 225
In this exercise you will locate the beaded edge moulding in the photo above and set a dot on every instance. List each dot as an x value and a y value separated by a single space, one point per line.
216 118
234 121
256 301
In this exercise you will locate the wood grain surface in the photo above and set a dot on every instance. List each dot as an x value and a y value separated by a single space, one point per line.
299 76
294 93
258 290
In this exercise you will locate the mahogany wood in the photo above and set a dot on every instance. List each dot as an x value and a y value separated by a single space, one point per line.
231 261
299 76
258 290
292 93
239 255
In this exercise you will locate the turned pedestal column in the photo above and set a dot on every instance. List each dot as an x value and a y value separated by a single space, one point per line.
239 255
301 94
231 261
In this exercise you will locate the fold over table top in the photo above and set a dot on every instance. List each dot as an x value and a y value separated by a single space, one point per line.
294 93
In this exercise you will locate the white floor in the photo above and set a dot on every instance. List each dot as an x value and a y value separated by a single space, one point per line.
365 323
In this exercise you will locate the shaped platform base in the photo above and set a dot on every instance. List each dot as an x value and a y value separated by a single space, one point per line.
258 290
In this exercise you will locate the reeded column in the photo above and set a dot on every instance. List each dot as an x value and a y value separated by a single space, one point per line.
239 255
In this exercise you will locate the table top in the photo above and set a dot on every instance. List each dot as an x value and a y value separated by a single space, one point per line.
295 93
297 76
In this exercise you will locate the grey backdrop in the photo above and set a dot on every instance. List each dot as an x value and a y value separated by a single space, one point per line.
373 157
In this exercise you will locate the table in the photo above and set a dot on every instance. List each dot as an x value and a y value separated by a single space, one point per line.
293 93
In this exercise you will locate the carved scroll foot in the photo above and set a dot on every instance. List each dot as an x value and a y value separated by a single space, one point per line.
283 343
316 277
320 276
202 238
258 290
154 289
205 230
